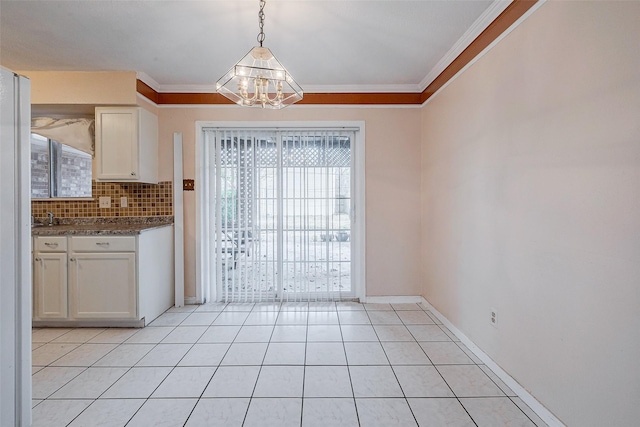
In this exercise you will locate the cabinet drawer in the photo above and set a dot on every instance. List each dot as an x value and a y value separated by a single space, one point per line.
103 244
50 244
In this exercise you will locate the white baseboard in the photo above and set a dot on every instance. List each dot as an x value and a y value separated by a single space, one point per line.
376 300
522 393
393 300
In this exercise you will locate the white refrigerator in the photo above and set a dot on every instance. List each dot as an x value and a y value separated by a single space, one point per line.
15 251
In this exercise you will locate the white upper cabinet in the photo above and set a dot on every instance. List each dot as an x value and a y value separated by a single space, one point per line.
126 145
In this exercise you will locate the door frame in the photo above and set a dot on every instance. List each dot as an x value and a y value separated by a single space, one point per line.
15 247
206 293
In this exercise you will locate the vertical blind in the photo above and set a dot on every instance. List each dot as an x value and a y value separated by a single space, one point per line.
277 214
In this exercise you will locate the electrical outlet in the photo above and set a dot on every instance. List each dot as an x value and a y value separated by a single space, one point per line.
105 202
124 202
188 184
493 317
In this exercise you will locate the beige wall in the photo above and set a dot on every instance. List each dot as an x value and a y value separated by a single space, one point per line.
82 88
531 202
392 184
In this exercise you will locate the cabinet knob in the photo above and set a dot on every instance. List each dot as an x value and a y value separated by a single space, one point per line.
72 259
37 259
133 174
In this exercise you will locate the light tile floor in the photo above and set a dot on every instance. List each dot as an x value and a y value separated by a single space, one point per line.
297 364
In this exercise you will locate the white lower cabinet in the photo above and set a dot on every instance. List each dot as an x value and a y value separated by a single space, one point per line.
50 285
103 285
103 280
50 278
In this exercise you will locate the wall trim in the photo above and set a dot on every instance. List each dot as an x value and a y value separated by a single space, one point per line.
149 81
211 88
480 24
508 19
147 91
295 106
505 21
191 301
487 49
392 299
178 220
522 393
383 88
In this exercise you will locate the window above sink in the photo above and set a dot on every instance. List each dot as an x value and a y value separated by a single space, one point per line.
59 170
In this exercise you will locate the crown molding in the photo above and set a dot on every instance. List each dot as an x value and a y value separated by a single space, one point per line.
294 106
357 98
497 40
187 88
388 88
147 91
391 88
480 24
149 81
509 19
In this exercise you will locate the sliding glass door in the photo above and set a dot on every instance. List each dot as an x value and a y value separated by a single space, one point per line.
280 214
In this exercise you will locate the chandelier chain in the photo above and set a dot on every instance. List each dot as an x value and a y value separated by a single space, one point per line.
261 22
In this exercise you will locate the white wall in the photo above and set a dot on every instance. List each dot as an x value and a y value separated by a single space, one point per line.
531 205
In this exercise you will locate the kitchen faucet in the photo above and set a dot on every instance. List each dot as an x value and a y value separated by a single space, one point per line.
50 215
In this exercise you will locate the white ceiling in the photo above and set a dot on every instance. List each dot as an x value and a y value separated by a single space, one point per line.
184 45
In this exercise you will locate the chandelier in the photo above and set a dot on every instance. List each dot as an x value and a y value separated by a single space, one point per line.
259 79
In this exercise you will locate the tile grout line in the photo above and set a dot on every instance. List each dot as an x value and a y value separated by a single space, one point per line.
175 366
304 367
390 366
439 373
214 371
153 391
355 405
518 406
261 365
130 368
156 388
404 395
86 369
455 395
50 364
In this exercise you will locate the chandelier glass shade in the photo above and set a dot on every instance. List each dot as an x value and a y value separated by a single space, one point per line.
259 79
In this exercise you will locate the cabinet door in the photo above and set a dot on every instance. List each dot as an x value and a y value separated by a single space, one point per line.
103 285
50 285
117 143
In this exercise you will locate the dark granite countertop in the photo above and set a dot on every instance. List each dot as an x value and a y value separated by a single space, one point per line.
111 226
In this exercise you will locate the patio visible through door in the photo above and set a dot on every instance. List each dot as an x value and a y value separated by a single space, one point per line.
280 213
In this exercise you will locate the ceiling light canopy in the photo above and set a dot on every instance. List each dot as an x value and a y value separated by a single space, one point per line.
259 79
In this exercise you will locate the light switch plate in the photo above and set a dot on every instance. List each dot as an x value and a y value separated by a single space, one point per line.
124 202
105 202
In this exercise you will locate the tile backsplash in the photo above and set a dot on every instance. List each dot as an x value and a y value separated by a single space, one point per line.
142 200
